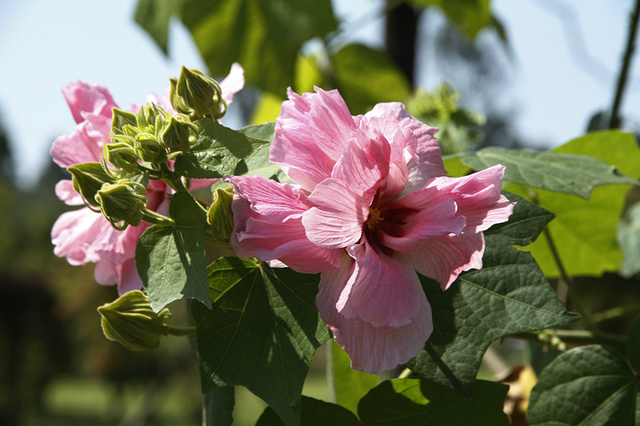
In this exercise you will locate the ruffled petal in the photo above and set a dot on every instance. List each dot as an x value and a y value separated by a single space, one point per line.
444 258
76 148
310 135
268 225
371 349
83 97
233 83
74 235
65 192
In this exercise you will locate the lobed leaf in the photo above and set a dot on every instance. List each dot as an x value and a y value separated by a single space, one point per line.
588 385
171 260
258 162
261 332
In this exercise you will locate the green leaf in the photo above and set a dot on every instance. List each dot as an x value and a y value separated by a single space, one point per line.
553 171
633 345
264 36
366 77
508 295
218 152
589 386
628 238
171 260
525 224
261 333
469 16
258 162
218 406
154 17
585 231
418 402
314 413
347 385
455 167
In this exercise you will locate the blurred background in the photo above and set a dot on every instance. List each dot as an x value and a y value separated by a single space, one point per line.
533 73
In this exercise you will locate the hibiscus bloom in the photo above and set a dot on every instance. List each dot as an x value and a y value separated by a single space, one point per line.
370 208
82 236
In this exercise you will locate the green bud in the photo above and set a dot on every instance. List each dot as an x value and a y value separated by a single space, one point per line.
221 216
196 95
121 155
175 133
149 149
148 117
130 320
88 179
120 120
122 201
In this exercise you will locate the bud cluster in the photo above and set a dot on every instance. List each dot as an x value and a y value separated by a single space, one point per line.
196 95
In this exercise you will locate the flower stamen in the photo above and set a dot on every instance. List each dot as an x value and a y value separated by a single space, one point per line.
374 218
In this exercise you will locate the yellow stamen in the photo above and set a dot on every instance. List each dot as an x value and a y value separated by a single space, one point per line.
374 218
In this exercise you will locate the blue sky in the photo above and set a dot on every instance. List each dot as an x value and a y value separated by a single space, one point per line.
46 44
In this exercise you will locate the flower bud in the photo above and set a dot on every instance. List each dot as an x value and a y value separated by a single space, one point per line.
120 120
148 117
88 178
175 133
122 201
149 149
196 95
130 320
221 216
121 155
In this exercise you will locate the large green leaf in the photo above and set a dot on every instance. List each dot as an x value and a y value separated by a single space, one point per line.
261 333
469 16
366 77
171 260
508 295
219 151
264 36
347 385
633 345
217 407
154 17
584 232
589 386
408 402
553 171
258 162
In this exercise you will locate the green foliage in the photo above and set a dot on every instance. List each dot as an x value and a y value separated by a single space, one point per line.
261 332
553 171
154 17
171 260
458 128
508 295
258 163
366 77
469 16
633 345
218 406
220 150
585 231
408 402
588 385
629 240
348 385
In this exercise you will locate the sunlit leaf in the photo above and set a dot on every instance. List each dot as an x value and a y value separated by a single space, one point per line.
257 163
171 260
261 333
469 16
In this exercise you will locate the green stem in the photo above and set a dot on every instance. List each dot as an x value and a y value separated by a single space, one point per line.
182 331
152 217
616 312
574 338
566 278
614 122
172 179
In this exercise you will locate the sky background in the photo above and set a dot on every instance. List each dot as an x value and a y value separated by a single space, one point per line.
564 59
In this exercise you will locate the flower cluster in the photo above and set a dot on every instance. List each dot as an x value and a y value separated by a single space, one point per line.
370 208
83 236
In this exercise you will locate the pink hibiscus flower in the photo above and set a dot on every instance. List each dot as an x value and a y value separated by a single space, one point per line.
370 208
83 236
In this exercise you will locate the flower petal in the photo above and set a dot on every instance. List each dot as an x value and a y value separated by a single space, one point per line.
65 192
233 83
76 148
310 134
83 97
371 349
444 258
74 235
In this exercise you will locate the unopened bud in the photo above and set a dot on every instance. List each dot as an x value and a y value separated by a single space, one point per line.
176 132
120 120
221 216
149 149
88 179
122 201
130 320
148 117
121 155
196 95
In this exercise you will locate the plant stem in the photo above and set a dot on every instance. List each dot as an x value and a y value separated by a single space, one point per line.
619 311
182 331
576 338
614 122
566 278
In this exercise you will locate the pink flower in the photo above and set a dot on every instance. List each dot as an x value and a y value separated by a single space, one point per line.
370 209
83 236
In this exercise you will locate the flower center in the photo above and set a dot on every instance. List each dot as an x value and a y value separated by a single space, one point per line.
374 218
